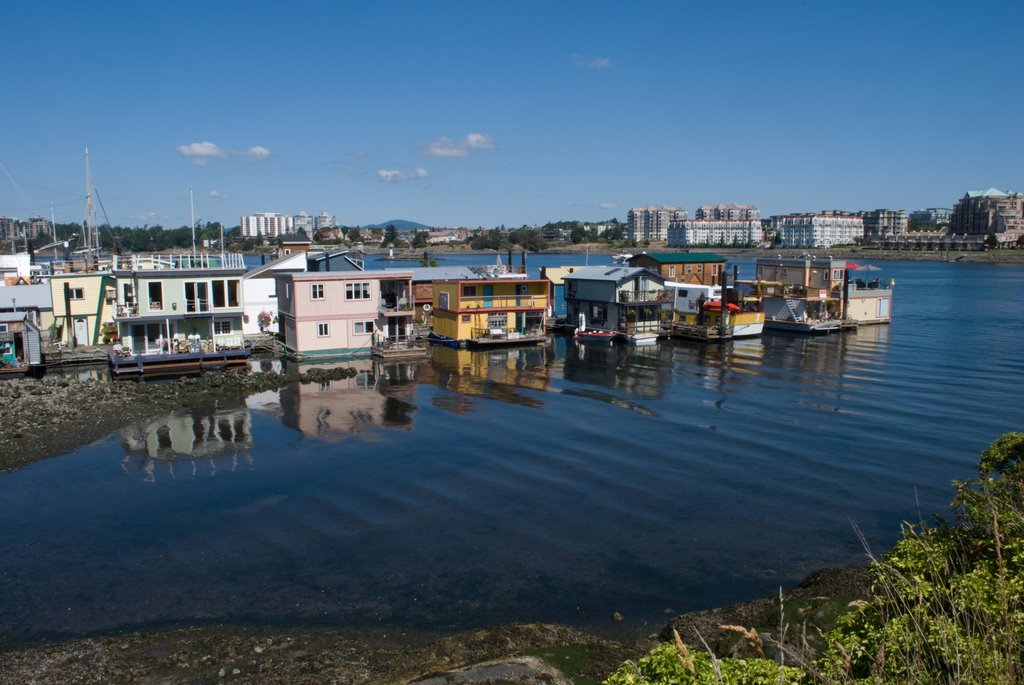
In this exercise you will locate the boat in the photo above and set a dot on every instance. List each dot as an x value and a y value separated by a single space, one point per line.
594 336
621 258
641 339
442 340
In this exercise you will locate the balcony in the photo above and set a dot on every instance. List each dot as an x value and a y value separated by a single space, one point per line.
640 296
390 306
504 302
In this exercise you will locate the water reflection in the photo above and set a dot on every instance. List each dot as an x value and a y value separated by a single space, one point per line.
379 395
635 370
498 374
223 433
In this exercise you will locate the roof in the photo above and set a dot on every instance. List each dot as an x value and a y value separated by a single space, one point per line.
345 275
280 264
299 237
11 317
991 192
611 274
680 257
443 273
36 296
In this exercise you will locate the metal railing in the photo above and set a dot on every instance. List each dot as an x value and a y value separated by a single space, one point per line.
634 296
503 301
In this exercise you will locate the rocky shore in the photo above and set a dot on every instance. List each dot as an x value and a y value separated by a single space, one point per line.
524 654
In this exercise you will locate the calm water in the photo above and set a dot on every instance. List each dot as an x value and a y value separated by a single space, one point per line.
557 483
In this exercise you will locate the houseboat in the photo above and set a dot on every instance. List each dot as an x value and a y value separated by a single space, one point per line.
346 313
178 314
20 344
505 308
801 294
628 301
698 313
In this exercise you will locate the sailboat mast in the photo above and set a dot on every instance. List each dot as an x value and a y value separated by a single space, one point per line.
192 219
89 228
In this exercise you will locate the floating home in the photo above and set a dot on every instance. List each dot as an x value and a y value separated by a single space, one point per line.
700 314
496 309
628 301
178 313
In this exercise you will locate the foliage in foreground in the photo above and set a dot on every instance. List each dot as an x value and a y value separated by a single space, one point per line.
667 666
947 603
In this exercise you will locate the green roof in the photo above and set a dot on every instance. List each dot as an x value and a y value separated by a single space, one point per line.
991 192
681 257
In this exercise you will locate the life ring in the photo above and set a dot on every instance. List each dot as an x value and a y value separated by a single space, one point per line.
427 307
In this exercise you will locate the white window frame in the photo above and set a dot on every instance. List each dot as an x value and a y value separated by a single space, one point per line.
323 329
316 291
363 327
220 323
76 294
357 291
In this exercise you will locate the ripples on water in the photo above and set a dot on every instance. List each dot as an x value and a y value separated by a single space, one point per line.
555 483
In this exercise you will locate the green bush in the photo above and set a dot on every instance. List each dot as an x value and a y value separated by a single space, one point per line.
666 665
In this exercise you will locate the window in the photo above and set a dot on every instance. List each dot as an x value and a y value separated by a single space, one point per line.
197 296
466 318
323 330
3 328
77 294
225 294
316 291
522 288
222 327
497 321
156 295
672 271
442 301
357 291
362 327
469 291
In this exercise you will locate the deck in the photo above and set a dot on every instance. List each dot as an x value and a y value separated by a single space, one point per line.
173 363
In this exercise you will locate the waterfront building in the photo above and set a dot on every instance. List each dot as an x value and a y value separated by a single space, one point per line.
20 343
699 268
933 216
293 242
346 313
880 223
179 303
505 308
651 223
338 260
818 230
266 225
260 293
624 299
83 308
38 226
303 222
989 212
324 221
729 212
819 294
706 232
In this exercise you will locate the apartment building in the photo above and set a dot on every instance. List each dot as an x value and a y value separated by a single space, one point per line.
885 222
933 216
266 224
985 212
303 222
715 232
651 223
818 230
729 212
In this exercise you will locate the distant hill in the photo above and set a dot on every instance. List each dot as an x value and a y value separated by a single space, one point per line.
401 225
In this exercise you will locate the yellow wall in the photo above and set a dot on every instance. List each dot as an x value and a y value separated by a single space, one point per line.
466 315
92 306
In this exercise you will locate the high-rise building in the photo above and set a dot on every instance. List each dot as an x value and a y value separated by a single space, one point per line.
985 212
651 223
884 222
266 224
729 212
818 230
325 220
303 222
8 227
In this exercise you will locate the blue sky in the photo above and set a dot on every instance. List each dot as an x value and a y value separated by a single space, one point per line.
488 113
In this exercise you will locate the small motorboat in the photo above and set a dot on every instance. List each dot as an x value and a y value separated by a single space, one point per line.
594 336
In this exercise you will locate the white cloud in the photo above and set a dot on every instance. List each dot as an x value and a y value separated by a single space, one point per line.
217 195
396 176
201 153
446 147
599 63
607 205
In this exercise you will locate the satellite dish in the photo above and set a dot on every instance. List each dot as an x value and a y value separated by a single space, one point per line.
427 307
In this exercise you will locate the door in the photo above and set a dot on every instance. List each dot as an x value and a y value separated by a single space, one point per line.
488 295
81 331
